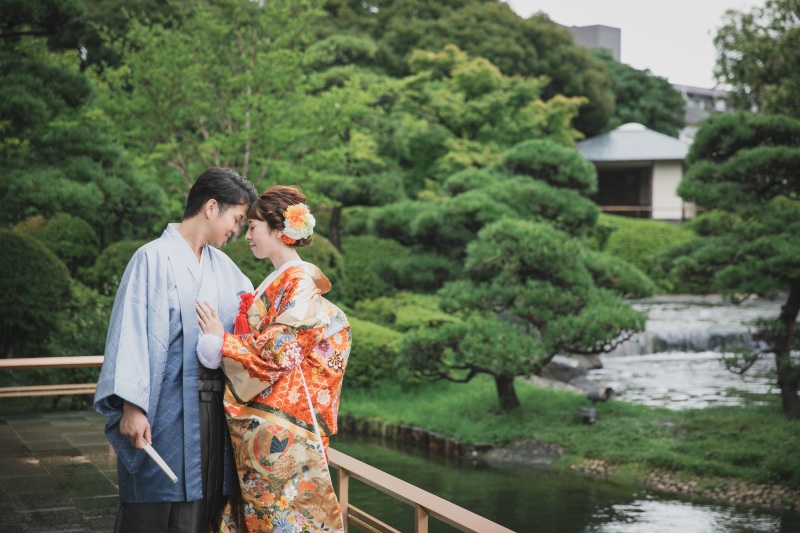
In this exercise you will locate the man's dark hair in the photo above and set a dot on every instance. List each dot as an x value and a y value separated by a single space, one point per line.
224 185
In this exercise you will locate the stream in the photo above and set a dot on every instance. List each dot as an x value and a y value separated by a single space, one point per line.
675 363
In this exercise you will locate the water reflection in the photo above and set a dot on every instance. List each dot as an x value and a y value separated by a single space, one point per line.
667 516
540 500
676 362
680 380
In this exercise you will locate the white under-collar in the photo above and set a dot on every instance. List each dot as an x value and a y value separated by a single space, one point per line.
275 274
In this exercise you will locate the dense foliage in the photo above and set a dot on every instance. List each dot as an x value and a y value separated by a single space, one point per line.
757 56
372 356
530 48
57 153
107 270
638 242
642 97
34 285
72 239
744 172
364 255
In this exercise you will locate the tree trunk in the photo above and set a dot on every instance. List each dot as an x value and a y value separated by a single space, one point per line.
336 217
787 373
506 392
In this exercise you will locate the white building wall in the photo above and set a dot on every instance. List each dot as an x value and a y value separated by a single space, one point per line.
667 205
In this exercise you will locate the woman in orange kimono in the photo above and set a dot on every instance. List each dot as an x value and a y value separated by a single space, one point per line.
284 366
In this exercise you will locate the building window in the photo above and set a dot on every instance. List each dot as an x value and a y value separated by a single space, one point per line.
625 192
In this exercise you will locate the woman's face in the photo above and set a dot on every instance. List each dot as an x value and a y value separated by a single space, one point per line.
264 241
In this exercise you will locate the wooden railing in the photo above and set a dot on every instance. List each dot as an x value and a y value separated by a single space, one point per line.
44 363
424 503
685 211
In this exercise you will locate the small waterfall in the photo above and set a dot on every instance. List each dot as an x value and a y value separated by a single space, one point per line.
650 342
695 324
677 362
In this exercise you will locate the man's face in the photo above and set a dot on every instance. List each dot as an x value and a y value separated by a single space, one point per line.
225 224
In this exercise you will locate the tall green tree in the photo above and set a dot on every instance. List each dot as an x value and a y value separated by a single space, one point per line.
72 239
530 289
641 96
63 23
222 85
456 112
530 47
743 170
57 150
528 295
350 105
246 85
113 17
757 56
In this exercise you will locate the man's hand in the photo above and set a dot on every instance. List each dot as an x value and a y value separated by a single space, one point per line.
134 425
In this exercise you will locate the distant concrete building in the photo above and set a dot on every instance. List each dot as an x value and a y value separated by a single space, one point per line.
598 36
638 172
701 103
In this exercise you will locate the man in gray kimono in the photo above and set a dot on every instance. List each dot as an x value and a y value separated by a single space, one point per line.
152 388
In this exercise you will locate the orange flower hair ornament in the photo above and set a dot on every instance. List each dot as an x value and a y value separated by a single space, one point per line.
298 223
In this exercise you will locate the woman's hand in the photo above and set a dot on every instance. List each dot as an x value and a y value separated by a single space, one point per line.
208 319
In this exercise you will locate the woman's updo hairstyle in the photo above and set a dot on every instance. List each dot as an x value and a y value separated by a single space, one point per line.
273 203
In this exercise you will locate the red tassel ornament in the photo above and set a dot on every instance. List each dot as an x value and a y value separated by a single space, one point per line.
241 326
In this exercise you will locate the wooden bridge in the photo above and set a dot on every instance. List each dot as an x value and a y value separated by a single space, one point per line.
82 441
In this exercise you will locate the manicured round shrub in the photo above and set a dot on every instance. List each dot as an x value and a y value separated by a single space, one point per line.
423 272
557 165
355 220
405 311
373 354
393 221
110 265
34 286
72 239
617 275
364 256
638 241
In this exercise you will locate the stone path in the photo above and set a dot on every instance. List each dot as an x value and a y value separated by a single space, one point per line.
57 473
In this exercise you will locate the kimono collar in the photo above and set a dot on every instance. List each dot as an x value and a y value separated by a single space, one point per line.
319 278
184 249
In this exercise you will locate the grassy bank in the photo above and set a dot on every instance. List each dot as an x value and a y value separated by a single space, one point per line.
752 443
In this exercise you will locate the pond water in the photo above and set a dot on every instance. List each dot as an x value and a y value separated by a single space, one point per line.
542 500
675 363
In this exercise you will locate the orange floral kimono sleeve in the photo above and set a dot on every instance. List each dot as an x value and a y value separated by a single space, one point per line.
256 361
